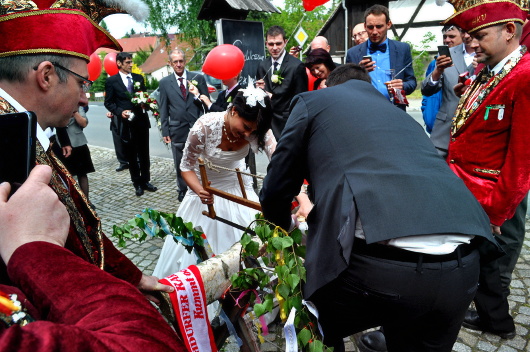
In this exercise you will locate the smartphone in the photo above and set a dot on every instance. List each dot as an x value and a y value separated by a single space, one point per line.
367 57
17 147
444 50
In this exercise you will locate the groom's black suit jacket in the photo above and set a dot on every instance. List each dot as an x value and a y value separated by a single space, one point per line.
362 155
294 81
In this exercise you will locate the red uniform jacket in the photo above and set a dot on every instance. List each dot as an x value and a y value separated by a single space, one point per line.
490 152
78 307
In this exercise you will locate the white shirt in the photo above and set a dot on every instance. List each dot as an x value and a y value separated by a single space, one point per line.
124 78
279 61
501 64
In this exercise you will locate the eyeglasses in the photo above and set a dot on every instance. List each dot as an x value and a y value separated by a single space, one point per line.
358 35
86 83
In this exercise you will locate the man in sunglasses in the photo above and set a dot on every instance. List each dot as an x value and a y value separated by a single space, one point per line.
390 62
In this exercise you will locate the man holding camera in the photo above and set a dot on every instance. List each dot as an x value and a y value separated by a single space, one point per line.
389 62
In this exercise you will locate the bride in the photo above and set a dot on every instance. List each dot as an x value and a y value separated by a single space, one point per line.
224 139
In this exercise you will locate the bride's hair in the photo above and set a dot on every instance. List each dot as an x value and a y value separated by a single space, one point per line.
257 113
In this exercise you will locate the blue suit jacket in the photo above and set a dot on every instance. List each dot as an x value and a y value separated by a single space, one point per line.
400 56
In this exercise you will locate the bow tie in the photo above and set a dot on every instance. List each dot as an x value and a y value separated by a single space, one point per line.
374 47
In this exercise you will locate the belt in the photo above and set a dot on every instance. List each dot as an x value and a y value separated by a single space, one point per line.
402 255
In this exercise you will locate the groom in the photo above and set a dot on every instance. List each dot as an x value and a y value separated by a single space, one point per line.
375 251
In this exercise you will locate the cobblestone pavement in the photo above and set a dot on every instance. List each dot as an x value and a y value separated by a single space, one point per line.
113 195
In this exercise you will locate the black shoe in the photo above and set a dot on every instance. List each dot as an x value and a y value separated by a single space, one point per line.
472 321
181 195
122 167
373 341
149 187
139 190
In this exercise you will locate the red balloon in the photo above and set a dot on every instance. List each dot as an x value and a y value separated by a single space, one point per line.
94 67
309 5
109 62
224 61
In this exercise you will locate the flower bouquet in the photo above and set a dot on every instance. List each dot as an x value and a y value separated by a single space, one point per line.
142 98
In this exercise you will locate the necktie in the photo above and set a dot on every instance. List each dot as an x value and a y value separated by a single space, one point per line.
129 84
182 87
275 66
374 47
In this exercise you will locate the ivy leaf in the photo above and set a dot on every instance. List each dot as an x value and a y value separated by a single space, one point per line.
283 290
245 239
276 242
268 303
316 346
300 251
304 336
259 309
252 248
296 235
293 281
287 242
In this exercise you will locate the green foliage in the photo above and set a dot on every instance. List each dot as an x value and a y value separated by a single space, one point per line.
153 223
103 25
293 15
181 14
151 84
420 56
282 257
141 56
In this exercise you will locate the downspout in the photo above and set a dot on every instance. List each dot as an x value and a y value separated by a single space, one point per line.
346 31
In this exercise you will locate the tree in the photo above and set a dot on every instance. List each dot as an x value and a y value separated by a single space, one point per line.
293 15
182 14
141 56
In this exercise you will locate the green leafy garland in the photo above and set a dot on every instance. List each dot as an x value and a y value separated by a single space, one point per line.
282 254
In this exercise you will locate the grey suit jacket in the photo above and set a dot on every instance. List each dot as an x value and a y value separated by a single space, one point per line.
440 132
177 115
377 163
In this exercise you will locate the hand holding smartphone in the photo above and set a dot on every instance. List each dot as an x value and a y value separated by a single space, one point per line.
17 147
444 50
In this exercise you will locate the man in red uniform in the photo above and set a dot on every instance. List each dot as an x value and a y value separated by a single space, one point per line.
47 74
488 146
48 308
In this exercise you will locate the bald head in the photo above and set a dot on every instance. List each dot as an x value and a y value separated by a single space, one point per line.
320 42
359 34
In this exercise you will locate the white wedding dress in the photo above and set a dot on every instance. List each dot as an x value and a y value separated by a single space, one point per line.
203 141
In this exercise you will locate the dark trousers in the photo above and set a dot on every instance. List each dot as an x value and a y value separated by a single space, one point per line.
491 300
138 156
420 305
119 145
177 150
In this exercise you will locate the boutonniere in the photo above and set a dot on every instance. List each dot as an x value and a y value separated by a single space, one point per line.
276 77
193 82
136 85
229 100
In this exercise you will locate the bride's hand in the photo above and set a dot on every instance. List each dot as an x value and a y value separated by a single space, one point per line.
206 198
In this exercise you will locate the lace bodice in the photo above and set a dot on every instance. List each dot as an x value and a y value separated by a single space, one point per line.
205 137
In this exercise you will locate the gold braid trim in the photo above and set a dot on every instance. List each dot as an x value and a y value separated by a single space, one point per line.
16 15
461 114
43 51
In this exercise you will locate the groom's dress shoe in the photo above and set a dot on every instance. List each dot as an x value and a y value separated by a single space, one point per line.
373 341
